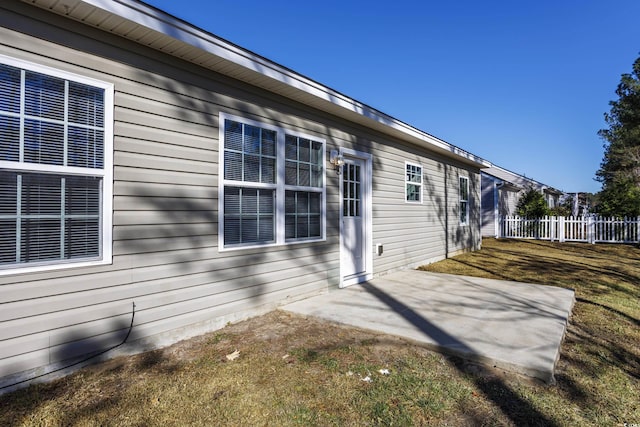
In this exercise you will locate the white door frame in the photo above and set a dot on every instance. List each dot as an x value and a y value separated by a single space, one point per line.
367 220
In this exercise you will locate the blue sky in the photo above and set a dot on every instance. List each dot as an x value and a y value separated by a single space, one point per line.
521 84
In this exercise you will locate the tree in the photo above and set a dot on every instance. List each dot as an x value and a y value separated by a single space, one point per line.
532 204
619 171
563 209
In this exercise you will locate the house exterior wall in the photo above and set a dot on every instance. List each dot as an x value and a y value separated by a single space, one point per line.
508 201
508 187
166 258
553 200
494 191
488 202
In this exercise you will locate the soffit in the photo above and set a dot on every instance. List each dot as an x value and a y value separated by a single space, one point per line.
519 180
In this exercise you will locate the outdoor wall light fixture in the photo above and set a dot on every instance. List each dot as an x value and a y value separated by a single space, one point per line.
336 160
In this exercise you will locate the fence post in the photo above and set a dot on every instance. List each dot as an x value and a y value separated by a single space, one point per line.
560 229
591 230
625 229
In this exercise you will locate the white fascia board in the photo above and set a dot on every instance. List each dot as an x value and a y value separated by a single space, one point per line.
166 24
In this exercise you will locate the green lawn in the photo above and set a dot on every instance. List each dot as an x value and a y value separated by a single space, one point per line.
297 371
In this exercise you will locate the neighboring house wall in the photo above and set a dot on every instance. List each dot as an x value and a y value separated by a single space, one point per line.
553 198
166 255
501 191
499 198
508 200
488 202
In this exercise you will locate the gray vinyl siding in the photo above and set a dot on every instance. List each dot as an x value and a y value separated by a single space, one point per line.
414 234
165 201
509 202
488 202
507 199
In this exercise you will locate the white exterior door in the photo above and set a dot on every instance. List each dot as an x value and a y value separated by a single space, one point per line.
355 218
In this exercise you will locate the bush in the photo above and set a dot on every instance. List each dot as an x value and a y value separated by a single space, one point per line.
532 204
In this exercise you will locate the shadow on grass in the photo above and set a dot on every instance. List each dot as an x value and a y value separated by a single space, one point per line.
540 265
518 410
611 310
625 268
604 350
107 386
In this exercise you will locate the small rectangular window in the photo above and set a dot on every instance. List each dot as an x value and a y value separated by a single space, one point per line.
413 183
464 200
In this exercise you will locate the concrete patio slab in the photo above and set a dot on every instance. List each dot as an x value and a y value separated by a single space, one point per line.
513 326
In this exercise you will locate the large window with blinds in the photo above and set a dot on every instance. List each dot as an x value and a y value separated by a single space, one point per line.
272 189
55 168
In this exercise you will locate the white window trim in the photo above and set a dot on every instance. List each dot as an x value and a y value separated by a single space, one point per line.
279 186
106 173
421 184
460 199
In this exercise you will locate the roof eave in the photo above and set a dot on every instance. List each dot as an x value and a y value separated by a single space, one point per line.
159 30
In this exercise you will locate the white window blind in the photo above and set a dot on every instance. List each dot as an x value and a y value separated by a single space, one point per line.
249 153
303 215
248 215
52 167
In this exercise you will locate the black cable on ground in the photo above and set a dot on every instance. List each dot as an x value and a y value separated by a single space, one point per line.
133 314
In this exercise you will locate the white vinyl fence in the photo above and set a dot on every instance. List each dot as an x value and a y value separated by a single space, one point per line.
589 229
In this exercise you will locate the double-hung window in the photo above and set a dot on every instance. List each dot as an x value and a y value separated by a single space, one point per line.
55 168
413 183
272 187
250 174
464 200
304 180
